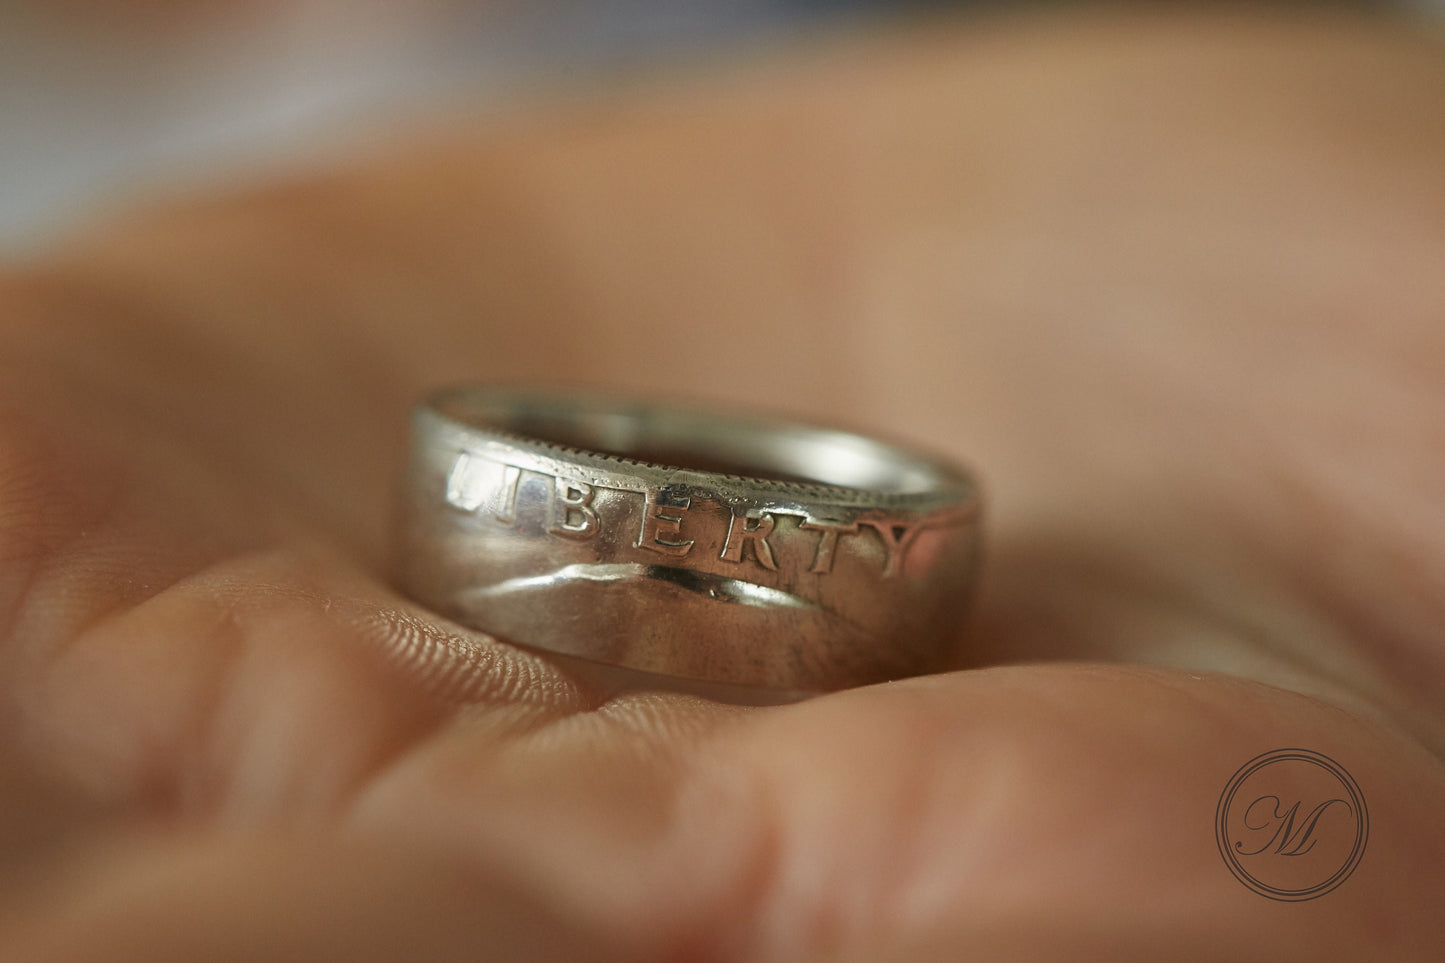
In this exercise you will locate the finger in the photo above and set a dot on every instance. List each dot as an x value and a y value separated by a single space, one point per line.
1064 810
267 899
265 689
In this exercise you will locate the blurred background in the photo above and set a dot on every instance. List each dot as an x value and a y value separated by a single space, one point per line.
103 98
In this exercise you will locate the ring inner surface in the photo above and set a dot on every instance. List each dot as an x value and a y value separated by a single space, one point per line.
680 438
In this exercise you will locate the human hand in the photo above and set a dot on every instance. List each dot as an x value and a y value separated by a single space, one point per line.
1172 287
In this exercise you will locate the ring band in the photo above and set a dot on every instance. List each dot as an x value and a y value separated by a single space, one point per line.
674 541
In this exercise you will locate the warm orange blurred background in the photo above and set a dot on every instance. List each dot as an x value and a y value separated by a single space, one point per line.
96 97
100 99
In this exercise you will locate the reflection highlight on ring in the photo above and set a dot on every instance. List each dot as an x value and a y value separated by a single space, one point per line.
718 587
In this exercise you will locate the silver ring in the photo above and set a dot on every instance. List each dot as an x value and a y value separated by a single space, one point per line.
707 547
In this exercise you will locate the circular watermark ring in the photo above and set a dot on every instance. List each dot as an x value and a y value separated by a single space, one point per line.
1292 824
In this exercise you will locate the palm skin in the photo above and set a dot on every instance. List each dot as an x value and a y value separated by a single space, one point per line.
1172 286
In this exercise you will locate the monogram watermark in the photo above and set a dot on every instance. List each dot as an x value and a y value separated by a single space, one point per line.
1292 824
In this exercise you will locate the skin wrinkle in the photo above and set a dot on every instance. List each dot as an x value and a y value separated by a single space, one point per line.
676 807
799 916
333 643
1420 714
1362 620
356 618
57 515
169 788
336 798
198 789
1219 619
908 851
468 669
132 763
125 576
95 560
764 848
450 669
223 594
916 853
799 913
683 720
717 801
1346 495
1017 759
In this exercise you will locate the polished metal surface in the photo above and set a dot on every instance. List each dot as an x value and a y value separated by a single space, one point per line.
682 543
